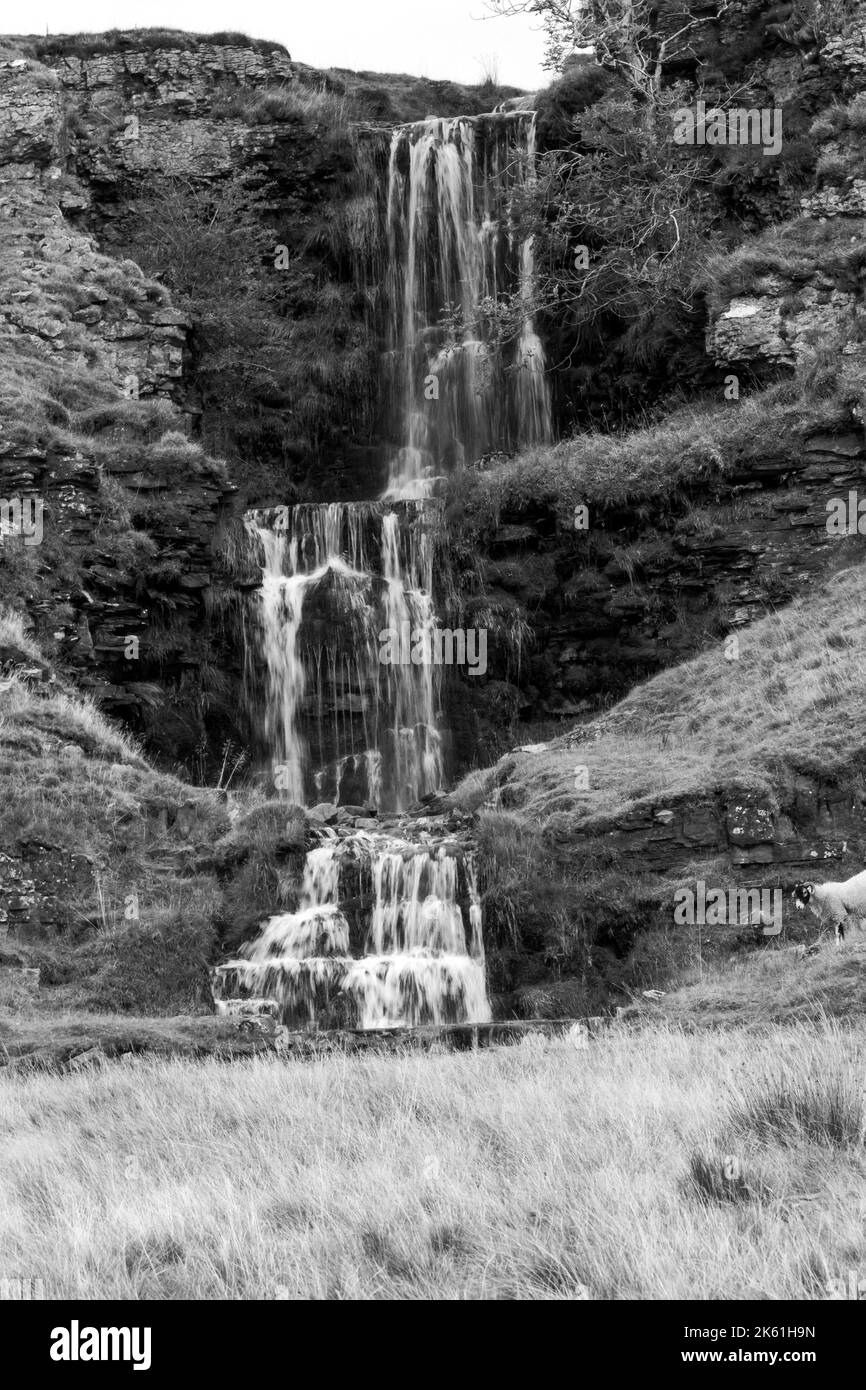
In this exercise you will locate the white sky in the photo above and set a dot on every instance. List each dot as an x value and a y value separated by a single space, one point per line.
428 38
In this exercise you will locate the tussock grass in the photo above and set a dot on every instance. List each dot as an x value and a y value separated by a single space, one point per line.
794 252
76 719
296 102
14 634
828 1108
689 448
716 1178
532 1173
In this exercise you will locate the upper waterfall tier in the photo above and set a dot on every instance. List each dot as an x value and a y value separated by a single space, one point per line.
458 386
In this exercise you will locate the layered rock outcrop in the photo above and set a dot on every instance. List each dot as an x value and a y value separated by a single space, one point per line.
94 357
648 585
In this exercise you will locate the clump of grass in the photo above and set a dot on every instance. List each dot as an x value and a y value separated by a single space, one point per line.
794 252
719 1178
855 113
13 633
831 169
827 1109
477 789
160 963
302 103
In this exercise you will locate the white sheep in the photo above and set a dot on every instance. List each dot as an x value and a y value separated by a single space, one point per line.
834 903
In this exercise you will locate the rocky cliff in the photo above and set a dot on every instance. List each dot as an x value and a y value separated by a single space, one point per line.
94 434
602 566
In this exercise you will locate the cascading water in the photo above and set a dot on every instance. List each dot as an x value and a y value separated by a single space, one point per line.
417 966
453 251
339 720
335 576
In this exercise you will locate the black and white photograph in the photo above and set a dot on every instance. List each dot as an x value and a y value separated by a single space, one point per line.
432 670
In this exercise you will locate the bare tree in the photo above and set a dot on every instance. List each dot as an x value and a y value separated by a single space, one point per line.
636 39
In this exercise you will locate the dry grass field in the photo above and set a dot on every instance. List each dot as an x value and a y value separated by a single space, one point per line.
648 1165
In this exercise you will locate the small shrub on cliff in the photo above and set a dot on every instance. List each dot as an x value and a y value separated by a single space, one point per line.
559 104
296 102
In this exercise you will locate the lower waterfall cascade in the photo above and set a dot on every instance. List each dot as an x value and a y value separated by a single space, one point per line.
339 722
418 965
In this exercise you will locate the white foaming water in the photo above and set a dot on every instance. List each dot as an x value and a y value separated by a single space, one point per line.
318 928
416 904
334 576
531 392
411 690
418 987
457 391
339 723
416 969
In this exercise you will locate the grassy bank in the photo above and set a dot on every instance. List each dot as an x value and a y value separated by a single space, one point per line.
789 701
695 445
526 1172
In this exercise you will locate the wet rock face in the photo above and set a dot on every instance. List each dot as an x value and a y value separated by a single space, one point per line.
646 588
105 636
139 120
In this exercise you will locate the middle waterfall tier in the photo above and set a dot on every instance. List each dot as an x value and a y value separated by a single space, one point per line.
348 711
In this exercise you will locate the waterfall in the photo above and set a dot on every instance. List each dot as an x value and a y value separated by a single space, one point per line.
339 721
339 634
416 966
457 390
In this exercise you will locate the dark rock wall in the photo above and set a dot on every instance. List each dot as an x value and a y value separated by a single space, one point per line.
647 586
86 333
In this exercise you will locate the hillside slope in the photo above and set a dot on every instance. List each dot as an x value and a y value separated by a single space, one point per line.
119 883
743 767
